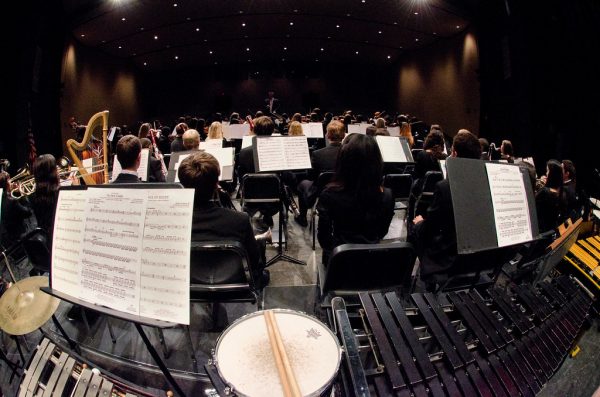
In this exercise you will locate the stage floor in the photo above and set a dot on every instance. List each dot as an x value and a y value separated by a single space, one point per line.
291 286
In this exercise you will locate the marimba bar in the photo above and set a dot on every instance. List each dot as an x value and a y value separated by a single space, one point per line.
462 343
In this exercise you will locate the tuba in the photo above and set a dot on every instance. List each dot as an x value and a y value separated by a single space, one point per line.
73 146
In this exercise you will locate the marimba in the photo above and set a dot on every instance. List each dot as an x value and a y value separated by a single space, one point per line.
54 372
583 261
460 343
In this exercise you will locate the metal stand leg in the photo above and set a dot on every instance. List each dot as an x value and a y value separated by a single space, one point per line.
70 341
110 330
161 338
280 255
159 361
192 350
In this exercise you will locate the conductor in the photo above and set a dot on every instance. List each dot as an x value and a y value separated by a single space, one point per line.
271 103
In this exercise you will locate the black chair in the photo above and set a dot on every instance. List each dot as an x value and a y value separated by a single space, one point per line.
400 184
322 180
35 244
426 196
365 267
261 192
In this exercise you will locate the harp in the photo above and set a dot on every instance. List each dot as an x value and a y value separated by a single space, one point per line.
74 147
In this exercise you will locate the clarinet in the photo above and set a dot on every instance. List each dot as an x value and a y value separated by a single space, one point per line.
158 154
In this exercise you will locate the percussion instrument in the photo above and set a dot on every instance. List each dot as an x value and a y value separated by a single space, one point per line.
24 308
54 372
583 261
244 360
461 343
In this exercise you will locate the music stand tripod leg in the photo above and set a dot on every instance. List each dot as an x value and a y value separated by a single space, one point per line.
71 342
159 361
280 255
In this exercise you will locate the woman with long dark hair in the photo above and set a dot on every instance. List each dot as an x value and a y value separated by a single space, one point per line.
354 207
43 200
548 200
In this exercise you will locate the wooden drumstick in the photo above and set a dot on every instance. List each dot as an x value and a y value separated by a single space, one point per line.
291 379
287 392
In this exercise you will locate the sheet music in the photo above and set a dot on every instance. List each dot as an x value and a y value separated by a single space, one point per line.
66 244
394 131
357 128
142 170
110 253
225 157
235 131
443 168
111 135
165 260
511 210
391 149
179 160
211 144
283 153
247 141
312 130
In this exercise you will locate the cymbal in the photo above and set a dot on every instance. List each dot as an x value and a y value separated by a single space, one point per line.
24 308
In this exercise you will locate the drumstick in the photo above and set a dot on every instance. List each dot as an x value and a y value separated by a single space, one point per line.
286 363
287 392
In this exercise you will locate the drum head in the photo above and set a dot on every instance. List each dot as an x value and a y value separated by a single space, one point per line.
245 361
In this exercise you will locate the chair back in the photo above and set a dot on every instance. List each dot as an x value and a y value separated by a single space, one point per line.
260 188
219 271
323 179
364 267
35 244
400 184
429 181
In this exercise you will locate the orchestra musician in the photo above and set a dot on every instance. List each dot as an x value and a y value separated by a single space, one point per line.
43 200
129 151
14 212
200 171
155 171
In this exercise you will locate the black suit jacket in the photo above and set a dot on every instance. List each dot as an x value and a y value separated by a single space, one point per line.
126 178
324 159
245 162
177 144
435 236
212 223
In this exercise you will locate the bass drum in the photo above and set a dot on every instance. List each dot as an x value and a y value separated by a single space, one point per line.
245 362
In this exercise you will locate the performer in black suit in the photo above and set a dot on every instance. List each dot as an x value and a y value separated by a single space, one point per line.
434 234
271 103
321 160
354 207
201 171
129 150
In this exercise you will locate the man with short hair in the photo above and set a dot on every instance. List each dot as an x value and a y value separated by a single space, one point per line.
129 151
191 140
434 234
321 160
200 171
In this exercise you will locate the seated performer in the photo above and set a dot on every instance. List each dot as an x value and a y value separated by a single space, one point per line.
434 234
321 160
155 173
43 200
129 151
14 214
191 140
354 207
200 171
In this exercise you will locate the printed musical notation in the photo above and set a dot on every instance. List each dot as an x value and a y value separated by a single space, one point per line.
509 199
282 153
122 248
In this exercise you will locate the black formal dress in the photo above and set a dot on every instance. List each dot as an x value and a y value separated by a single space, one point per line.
321 160
548 205
44 208
15 213
126 178
213 223
343 219
435 236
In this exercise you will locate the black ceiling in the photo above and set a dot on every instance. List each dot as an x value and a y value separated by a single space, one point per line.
168 34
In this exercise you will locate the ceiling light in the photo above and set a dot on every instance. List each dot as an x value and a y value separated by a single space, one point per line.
356 52
416 13
249 60
291 23
457 26
322 49
82 35
205 40
284 48
283 59
120 47
317 60
243 24
188 19
295 10
416 39
347 15
434 33
389 57
210 52
174 4
215 62
142 28
123 19
197 29
176 57
145 64
337 26
380 32
247 49
155 37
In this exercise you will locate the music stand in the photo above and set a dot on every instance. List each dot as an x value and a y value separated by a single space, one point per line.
279 154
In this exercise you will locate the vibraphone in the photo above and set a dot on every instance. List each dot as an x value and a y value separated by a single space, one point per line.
459 343
52 372
583 261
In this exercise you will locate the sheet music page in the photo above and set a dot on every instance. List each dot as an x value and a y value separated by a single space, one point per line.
111 135
270 154
296 154
394 131
225 158
66 245
247 141
355 129
179 160
511 210
88 164
312 130
165 269
112 241
211 144
235 131
142 170
391 149
443 168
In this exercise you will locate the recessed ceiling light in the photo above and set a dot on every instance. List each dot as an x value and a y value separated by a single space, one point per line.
215 62
416 39
389 57
380 32
176 57
395 23
103 41
247 49
322 49
145 64
347 15
155 37
249 60
337 26
284 48
434 33
188 19
246 36
134 54
210 52
243 24
174 4
283 59
142 28
295 10
197 29
82 35
457 26
364 1
120 47
356 52
291 23
241 12
416 13
205 40
123 19
317 60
